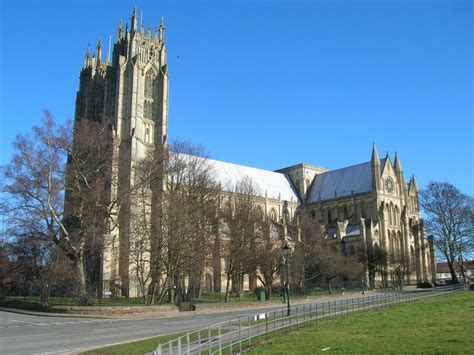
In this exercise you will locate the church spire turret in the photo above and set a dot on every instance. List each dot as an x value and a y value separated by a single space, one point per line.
375 156
162 29
87 57
375 164
134 20
397 164
413 184
120 31
98 51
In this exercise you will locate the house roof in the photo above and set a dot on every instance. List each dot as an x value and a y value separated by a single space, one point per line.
267 183
354 179
443 267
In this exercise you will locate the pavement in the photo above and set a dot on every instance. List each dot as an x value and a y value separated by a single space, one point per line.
27 332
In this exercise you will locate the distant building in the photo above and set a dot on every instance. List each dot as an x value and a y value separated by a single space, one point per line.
444 277
365 204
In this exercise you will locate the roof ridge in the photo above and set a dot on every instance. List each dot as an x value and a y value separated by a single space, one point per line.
245 166
347 167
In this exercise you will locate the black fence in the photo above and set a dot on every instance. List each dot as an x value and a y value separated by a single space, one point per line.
57 294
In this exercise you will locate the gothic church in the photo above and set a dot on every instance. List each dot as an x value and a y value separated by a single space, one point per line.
369 202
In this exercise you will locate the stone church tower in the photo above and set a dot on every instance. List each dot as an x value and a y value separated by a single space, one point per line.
368 204
129 90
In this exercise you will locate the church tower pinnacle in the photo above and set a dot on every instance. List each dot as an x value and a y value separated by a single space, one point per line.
162 29
134 20
129 92
375 164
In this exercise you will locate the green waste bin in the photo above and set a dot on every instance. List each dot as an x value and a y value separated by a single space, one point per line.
261 295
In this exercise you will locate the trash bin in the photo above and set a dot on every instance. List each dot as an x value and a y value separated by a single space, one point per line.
187 306
261 296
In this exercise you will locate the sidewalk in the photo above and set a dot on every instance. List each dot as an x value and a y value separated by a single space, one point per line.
171 310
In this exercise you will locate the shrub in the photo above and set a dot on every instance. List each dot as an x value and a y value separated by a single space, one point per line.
424 285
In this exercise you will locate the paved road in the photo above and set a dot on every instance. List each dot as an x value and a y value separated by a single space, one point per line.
33 334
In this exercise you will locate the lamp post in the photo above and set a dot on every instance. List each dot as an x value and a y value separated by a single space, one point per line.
286 262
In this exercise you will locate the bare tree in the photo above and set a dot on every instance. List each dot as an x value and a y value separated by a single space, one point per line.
242 219
186 210
373 260
450 219
33 189
304 270
332 264
269 254
37 180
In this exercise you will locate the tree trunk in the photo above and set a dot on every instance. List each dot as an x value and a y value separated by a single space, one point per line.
452 270
227 286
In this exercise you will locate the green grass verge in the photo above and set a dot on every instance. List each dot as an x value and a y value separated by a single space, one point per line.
144 346
136 347
442 325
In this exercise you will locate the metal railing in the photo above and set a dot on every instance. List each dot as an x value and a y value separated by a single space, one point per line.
237 334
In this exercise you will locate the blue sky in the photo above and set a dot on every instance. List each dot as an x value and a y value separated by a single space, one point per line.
271 83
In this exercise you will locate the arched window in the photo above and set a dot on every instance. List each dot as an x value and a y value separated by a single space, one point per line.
392 209
362 210
149 89
376 235
401 251
392 247
258 212
329 215
297 184
149 84
352 252
273 215
346 212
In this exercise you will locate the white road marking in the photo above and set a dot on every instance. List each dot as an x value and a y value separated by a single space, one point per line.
19 321
29 336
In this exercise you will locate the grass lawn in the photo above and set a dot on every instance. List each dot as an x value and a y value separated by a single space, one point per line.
136 347
443 325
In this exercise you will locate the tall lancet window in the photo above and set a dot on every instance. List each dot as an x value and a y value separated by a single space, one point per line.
149 88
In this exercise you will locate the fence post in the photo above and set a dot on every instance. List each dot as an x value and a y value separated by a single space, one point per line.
240 334
187 343
219 334
274 322
179 345
249 327
199 341
304 314
210 339
258 329
266 324
297 317
170 347
230 334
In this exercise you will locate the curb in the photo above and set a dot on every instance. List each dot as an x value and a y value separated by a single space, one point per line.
50 314
199 310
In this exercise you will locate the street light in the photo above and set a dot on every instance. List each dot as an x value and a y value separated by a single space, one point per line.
285 253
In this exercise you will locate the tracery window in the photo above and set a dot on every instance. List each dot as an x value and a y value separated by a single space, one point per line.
149 88
273 214
149 79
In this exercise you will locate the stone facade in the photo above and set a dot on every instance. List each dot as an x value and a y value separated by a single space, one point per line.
366 203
